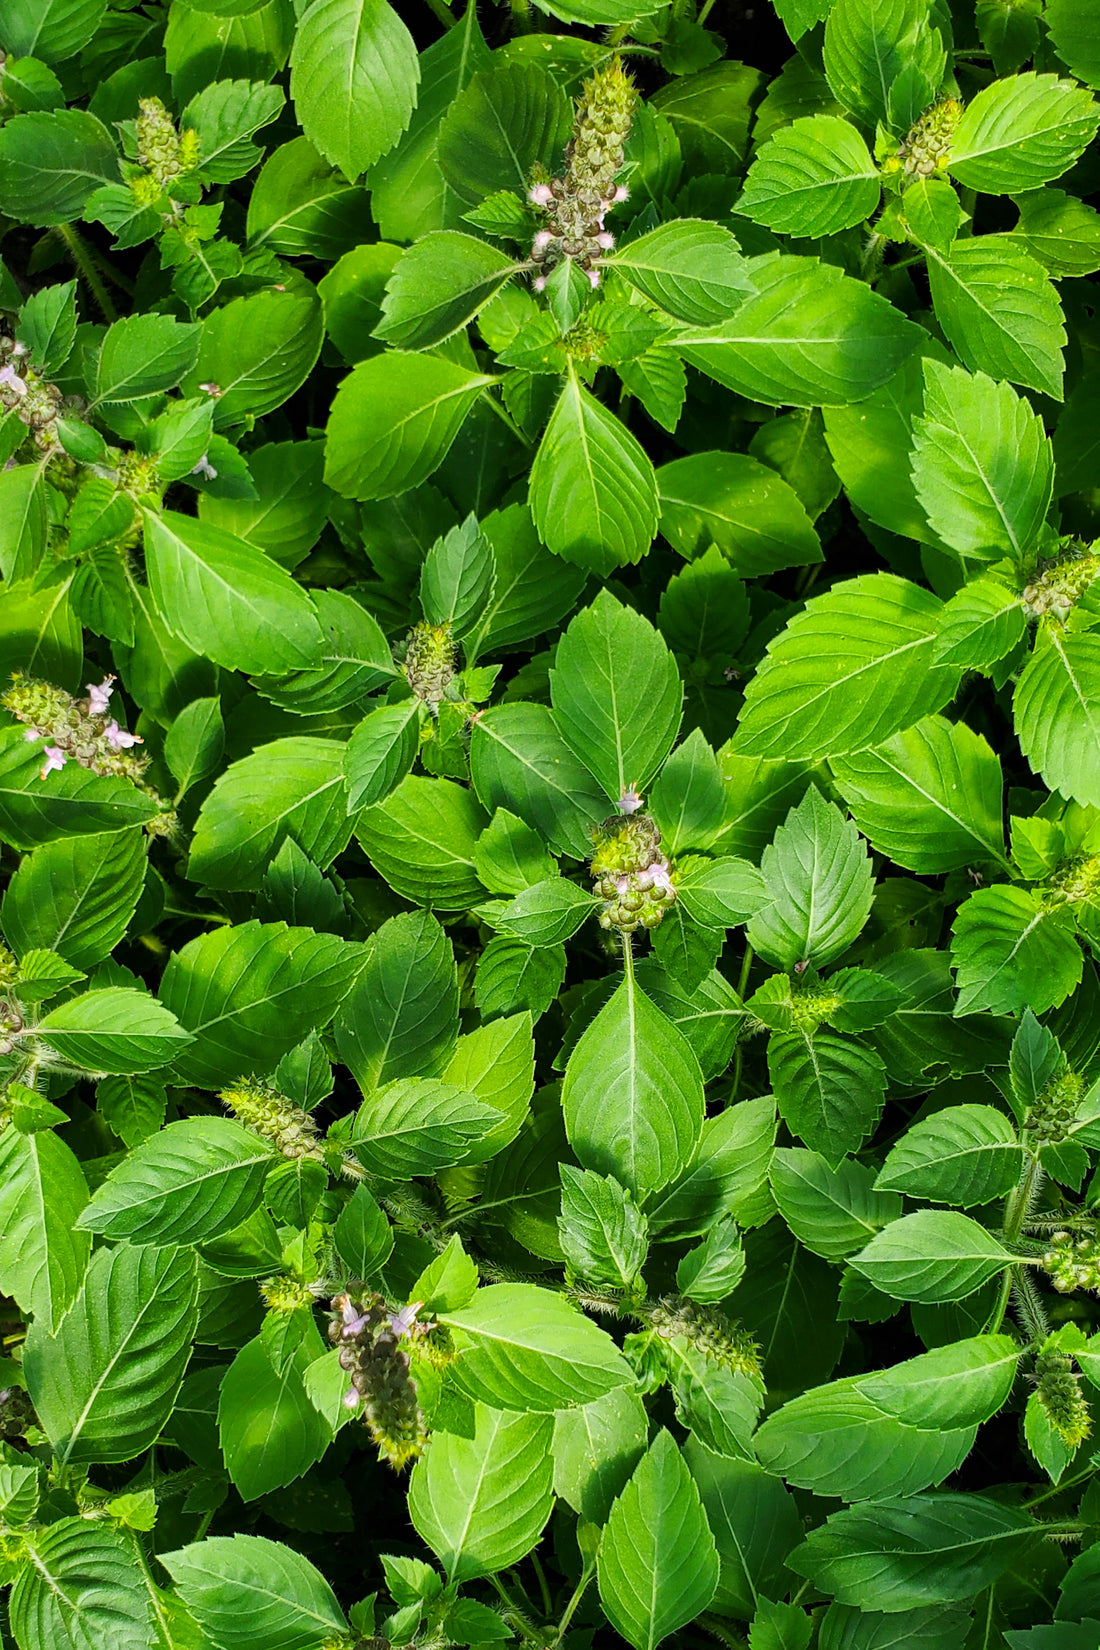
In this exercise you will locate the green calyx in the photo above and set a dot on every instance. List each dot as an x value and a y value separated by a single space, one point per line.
270 1114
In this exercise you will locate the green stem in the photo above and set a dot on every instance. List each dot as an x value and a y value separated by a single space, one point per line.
746 968
705 13
544 1586
1058 1489
628 958
968 199
442 11
80 253
1017 1205
506 418
571 1608
521 15
526 1628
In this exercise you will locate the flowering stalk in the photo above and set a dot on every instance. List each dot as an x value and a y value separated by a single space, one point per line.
576 202
23 391
369 1338
631 874
272 1116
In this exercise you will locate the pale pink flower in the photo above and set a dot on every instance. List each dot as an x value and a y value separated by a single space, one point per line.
593 278
19 350
119 739
351 1399
33 733
541 194
99 696
401 1322
606 241
11 379
620 194
630 801
205 469
539 283
541 240
55 758
211 389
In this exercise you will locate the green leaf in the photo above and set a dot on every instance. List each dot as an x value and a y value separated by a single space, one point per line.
596 1447
50 164
829 1089
929 798
1056 709
132 1107
143 356
85 1586
251 993
527 1348
299 204
47 325
227 600
739 504
458 578
722 892
258 350
225 116
819 887
534 590
934 1255
1076 38
418 1126
593 491
393 421
380 753
75 897
603 1232
704 610
964 1155
814 177
520 761
900 1555
51 30
633 1094
114 1030
729 1166
289 788
1020 133
1059 231
187 1184
811 337
999 311
832 1211
481 1503
511 856
688 796
42 1254
71 803
422 839
866 53
355 659
547 913
103 1384
242 1587
354 75
981 624
1011 951
510 117
692 270
754 1521
23 534
439 285
400 1018
616 694
983 467
854 667
362 1235
269 1429
658 1564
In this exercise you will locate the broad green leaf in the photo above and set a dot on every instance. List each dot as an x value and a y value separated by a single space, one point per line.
721 893
42 1254
963 1155
513 976
418 1126
854 667
603 1232
243 1587
900 1555
287 516
115 1030
616 694
527 1348
458 578
225 116
999 311
811 337
270 1431
1012 951
362 1234
1073 29
187 1184
73 802
354 74
534 590
934 1255
400 1018
496 1064
51 30
924 1033
227 600
76 896
1056 709
144 355
547 913
394 420
819 887
981 624
730 1165
930 797
289 788
50 164
829 1089
251 993
983 468
755 1525
633 1094
132 1107
1059 231
510 117
510 856
739 504
437 286
520 761
814 177
596 1448
380 753
86 1586
481 1503
103 1384
355 659
832 1211
692 270
593 492
258 350
658 1564
710 113
1020 133
23 533
705 609
421 839
867 53
688 796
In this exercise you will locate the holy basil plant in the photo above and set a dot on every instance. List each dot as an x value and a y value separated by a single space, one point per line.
550 803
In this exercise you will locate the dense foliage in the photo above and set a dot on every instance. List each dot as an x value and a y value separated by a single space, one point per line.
550 791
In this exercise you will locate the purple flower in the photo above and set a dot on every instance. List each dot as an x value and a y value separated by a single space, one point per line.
55 758
401 1322
11 379
33 733
620 194
119 739
541 240
351 1399
539 283
205 469
99 696
630 801
593 278
606 241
